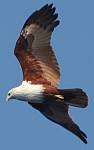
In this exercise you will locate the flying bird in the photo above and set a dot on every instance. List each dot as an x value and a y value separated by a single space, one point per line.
41 72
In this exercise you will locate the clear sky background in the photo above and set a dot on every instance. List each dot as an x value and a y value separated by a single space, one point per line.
22 127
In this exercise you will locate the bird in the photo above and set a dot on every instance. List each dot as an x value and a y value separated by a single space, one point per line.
41 72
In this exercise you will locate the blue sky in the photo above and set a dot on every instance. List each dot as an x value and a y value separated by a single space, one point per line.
22 127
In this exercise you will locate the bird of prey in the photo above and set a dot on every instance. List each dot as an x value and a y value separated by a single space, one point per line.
41 73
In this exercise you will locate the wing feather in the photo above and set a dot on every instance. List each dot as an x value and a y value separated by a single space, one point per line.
33 48
58 113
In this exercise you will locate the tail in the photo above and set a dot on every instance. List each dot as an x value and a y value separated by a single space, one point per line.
75 97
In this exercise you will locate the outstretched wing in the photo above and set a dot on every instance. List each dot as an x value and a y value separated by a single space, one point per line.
33 48
59 114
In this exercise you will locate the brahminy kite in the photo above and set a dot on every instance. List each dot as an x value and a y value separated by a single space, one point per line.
41 73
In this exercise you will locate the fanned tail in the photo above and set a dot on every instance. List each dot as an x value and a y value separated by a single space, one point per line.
75 97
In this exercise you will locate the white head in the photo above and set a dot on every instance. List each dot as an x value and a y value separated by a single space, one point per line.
15 93
10 95
26 92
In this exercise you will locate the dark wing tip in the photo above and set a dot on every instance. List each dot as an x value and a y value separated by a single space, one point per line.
85 141
83 134
55 24
44 17
51 5
83 137
74 128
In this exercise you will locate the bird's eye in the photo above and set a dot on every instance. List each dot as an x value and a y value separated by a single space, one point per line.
8 94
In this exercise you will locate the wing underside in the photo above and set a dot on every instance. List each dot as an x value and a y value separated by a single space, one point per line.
33 48
59 114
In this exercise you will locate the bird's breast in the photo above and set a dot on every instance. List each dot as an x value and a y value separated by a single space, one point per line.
32 93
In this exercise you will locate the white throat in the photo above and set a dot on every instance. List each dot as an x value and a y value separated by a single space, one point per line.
29 92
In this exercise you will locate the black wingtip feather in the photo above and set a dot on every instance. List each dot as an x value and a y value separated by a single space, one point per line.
83 137
44 7
84 134
55 16
44 17
53 10
50 6
56 23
